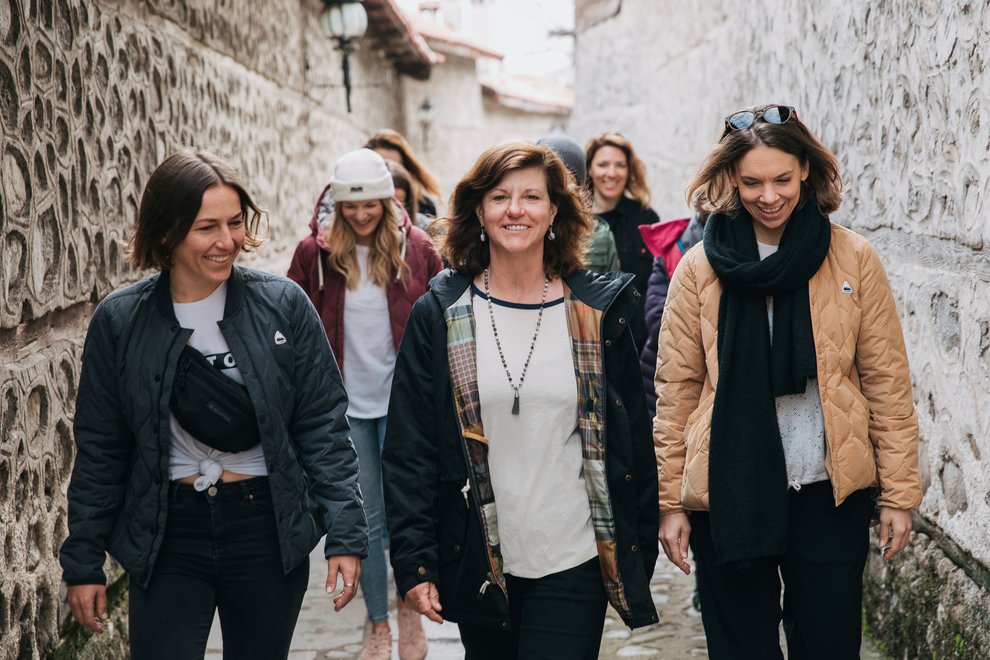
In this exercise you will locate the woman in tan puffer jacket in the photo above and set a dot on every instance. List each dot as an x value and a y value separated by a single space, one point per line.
785 418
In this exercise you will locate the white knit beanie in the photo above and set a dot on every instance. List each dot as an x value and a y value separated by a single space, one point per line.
361 175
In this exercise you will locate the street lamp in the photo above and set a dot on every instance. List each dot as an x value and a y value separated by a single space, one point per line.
426 114
345 21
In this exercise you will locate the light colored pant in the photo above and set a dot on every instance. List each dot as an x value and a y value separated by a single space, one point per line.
368 436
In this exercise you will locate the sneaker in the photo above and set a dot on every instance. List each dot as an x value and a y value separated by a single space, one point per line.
377 644
412 639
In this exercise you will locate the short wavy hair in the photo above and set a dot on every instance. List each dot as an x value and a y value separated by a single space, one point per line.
712 189
462 246
171 200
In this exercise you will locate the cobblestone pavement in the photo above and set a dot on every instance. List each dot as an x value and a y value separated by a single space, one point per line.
323 634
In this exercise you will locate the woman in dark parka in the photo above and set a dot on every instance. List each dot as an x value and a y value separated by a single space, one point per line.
512 387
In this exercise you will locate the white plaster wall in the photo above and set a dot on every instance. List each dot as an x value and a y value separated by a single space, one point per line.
900 90
458 133
508 124
465 123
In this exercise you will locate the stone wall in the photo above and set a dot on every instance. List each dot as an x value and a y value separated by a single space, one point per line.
93 94
901 92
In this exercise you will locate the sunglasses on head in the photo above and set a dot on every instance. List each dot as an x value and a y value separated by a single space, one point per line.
772 114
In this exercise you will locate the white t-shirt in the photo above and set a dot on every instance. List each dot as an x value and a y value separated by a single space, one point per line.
801 422
369 350
544 518
188 455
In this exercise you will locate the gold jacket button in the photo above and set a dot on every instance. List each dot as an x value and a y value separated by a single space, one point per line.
421 570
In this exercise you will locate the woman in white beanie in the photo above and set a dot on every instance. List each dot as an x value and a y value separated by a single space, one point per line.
363 265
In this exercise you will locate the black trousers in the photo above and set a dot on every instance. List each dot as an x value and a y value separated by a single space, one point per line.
220 552
560 615
822 574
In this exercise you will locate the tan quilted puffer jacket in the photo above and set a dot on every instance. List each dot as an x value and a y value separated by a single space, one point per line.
871 428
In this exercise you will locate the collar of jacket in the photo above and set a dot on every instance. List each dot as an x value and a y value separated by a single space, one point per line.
598 290
163 294
626 206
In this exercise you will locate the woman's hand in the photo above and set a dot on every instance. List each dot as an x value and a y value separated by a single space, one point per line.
675 530
895 530
425 599
349 567
88 603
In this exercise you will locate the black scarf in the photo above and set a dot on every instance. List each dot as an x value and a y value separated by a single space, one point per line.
747 476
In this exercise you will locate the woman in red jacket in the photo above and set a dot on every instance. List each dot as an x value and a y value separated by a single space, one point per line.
363 266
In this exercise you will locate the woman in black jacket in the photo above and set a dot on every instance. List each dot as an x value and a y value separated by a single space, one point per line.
512 386
617 179
212 448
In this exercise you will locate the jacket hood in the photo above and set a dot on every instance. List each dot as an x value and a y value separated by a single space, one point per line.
660 236
597 290
323 217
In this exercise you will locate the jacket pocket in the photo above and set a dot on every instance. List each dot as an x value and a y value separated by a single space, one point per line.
697 439
454 505
847 432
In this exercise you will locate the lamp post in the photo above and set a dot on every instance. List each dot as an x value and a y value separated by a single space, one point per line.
426 114
345 21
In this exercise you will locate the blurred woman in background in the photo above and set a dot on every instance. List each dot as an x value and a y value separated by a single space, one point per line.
390 145
617 178
364 265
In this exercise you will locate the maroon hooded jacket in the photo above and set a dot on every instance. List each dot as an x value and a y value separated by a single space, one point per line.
326 288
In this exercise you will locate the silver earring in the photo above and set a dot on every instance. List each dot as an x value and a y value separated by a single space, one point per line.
482 234
550 234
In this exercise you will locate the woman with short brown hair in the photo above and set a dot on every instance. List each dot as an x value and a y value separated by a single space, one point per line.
510 387
212 447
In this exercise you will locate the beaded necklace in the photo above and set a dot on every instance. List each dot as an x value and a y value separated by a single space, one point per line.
532 345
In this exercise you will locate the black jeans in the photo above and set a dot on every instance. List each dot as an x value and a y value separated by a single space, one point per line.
220 552
560 615
822 573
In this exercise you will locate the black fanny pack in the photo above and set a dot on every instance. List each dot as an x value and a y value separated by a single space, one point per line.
215 409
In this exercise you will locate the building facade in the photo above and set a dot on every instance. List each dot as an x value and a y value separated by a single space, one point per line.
901 93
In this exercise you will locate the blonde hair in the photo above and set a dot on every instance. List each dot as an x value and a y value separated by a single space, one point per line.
385 259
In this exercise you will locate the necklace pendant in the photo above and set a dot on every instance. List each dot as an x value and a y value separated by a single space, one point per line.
515 404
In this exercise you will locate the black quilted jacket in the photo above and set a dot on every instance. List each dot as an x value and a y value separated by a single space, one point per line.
119 485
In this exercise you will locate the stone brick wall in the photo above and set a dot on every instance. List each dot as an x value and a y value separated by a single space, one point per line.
93 94
901 92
